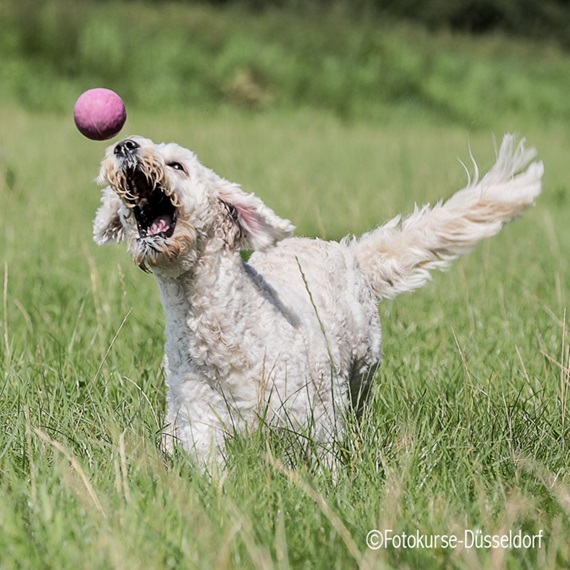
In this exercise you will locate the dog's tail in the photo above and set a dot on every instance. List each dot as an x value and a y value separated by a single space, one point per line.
398 256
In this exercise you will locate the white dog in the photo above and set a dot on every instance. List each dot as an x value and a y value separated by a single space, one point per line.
292 336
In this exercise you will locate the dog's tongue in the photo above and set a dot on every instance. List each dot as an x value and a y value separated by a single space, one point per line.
160 225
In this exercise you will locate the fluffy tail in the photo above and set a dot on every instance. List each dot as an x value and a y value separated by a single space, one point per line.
398 256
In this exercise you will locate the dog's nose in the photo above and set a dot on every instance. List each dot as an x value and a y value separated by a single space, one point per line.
126 147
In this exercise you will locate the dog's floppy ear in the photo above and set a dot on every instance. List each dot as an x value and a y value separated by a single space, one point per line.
258 227
107 226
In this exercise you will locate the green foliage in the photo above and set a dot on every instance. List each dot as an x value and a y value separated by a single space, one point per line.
548 19
167 55
468 427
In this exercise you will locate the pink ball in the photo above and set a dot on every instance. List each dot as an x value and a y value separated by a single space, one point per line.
99 114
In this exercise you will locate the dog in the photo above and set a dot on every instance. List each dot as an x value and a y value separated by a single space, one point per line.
292 336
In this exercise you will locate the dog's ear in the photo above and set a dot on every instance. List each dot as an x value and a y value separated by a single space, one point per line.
107 226
255 225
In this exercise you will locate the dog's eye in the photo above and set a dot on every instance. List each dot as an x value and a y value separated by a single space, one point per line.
176 166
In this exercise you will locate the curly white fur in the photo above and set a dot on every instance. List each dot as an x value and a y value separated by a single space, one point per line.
293 335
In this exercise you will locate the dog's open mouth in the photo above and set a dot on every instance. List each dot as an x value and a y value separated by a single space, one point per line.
151 205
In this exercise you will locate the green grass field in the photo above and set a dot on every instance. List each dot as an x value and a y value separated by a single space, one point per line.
469 424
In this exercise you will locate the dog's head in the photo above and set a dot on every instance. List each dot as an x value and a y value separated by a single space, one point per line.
167 206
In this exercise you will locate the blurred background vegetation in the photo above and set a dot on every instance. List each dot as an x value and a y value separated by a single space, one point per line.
470 61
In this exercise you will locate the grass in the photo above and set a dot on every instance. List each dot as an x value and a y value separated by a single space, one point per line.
468 427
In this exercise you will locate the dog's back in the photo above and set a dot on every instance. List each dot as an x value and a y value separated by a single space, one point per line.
323 290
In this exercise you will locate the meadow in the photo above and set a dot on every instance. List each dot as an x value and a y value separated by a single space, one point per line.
468 427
